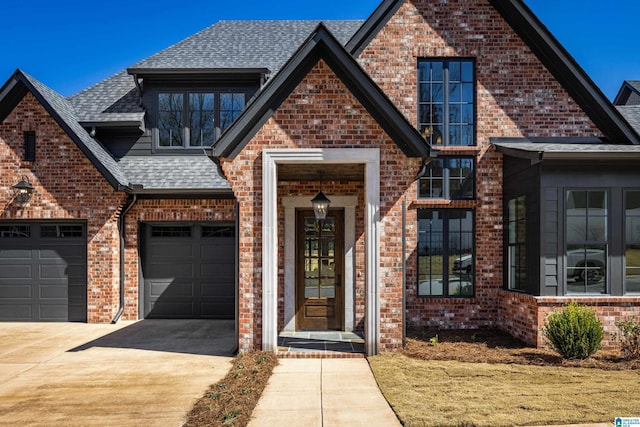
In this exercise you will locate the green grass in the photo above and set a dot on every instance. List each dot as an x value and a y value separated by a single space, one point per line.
450 393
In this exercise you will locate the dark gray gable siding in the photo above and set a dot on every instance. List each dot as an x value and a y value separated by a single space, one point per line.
321 45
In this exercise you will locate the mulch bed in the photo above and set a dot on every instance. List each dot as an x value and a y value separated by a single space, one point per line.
493 346
231 401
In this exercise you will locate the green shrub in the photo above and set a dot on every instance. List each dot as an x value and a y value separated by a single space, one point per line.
629 337
575 332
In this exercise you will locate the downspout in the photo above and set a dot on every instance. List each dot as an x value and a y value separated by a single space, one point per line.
121 229
404 272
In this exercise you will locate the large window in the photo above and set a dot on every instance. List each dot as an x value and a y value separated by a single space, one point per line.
446 95
632 242
446 246
448 178
195 119
517 243
587 241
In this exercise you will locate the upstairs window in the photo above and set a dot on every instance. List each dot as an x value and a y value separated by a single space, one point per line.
450 178
195 119
446 101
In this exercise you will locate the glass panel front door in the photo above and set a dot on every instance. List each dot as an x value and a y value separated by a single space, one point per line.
319 270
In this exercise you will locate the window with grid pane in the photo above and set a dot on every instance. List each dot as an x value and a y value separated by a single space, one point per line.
448 178
632 242
446 101
516 243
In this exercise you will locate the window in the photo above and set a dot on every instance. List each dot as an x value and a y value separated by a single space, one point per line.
516 243
170 231
218 231
61 231
15 231
587 241
632 242
448 178
29 146
195 119
446 252
446 94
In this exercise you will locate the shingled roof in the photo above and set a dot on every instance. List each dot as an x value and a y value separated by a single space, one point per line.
223 45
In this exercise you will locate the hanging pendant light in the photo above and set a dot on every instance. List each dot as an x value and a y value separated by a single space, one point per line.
320 206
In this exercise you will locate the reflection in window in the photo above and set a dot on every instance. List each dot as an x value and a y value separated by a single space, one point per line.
516 244
195 119
632 242
587 241
201 119
448 178
445 252
446 113
170 107
231 105
320 258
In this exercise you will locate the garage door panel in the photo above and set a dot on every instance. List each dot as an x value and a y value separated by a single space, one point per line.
16 291
170 270
66 252
217 289
189 270
51 292
15 311
226 271
52 312
53 271
16 271
14 255
171 249
219 309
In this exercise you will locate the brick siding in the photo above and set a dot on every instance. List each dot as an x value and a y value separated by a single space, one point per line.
67 187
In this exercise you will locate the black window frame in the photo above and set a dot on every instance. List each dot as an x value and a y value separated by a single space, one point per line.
29 138
447 179
217 92
628 241
448 256
429 128
516 244
573 267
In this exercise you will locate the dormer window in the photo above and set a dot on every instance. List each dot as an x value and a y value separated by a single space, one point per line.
190 119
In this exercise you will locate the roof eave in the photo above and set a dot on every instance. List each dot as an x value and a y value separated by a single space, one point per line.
192 71
367 32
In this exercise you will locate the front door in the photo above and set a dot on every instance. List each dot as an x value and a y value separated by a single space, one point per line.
319 270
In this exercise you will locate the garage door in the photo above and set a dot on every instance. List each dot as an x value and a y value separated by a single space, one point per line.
189 271
43 272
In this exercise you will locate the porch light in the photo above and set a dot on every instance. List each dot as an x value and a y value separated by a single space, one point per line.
320 206
23 190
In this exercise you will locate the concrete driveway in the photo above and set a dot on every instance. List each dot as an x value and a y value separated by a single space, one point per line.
147 373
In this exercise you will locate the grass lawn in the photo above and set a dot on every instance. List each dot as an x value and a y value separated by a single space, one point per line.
543 390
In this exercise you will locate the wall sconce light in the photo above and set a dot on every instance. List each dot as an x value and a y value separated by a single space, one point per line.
320 206
23 190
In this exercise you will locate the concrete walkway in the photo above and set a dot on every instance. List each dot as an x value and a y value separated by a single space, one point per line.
323 392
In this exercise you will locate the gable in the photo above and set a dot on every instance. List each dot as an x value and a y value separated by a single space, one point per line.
321 45
531 83
20 84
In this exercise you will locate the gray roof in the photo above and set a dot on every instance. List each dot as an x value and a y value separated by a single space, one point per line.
635 84
567 151
632 114
63 109
225 44
196 173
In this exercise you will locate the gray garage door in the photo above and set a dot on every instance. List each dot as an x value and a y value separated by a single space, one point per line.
189 270
43 271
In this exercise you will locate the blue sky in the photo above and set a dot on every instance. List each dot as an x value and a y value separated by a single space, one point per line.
71 44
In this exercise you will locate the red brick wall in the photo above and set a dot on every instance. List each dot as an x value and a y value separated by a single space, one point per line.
163 210
524 315
67 186
516 96
320 113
